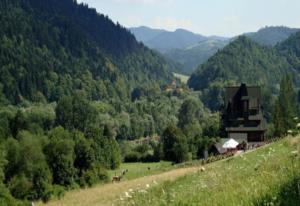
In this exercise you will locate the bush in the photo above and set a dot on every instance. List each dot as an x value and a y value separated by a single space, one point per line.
21 188
93 176
147 158
132 157
58 191
5 197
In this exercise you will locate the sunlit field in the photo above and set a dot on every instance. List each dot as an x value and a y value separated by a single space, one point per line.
268 176
135 170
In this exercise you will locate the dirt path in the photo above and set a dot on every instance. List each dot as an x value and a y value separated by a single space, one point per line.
107 194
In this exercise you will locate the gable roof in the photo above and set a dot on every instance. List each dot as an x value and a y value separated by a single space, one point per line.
251 92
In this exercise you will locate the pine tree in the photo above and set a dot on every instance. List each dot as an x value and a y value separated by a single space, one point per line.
285 107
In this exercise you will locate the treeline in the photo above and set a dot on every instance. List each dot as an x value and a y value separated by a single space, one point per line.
41 158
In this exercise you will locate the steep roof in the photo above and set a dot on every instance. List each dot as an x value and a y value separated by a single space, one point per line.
251 92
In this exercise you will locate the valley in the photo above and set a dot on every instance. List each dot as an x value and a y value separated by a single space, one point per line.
98 110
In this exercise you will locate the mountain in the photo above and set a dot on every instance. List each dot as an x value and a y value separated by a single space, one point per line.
181 46
196 54
291 45
144 34
271 35
178 39
245 61
54 48
190 50
162 40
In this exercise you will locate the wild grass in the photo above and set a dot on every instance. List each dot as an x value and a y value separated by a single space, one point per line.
136 170
267 176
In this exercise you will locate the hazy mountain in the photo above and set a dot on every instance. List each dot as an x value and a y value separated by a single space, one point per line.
144 34
163 40
192 56
271 35
178 39
191 50
181 46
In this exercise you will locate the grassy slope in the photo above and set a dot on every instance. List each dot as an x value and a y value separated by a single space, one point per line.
249 179
109 194
242 180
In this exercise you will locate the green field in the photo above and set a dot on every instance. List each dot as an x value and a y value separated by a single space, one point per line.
136 170
268 176
183 78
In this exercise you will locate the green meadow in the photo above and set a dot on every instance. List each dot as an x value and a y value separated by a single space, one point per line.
268 176
138 169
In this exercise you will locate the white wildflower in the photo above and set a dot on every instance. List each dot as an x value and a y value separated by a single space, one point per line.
127 195
143 191
294 152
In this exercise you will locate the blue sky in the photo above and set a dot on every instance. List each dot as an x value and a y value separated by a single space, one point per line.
208 17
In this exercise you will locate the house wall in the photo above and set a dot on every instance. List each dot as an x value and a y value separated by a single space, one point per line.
234 135
255 136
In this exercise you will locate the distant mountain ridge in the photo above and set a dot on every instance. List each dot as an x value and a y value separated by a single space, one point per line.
271 35
144 34
190 50
196 54
163 40
182 46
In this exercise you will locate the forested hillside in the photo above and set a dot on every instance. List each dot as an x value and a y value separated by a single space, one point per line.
49 49
243 60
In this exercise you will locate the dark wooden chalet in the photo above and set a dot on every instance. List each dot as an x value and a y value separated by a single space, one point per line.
242 117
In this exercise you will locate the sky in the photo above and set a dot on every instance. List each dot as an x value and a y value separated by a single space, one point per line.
208 17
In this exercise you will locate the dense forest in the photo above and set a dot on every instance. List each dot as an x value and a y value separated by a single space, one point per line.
49 49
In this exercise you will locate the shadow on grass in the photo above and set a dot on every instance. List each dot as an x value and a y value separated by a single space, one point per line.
287 194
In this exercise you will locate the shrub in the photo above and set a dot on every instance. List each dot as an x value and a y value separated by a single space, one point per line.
132 157
20 187
58 191
93 176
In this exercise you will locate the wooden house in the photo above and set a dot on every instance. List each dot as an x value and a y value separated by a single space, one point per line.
242 116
